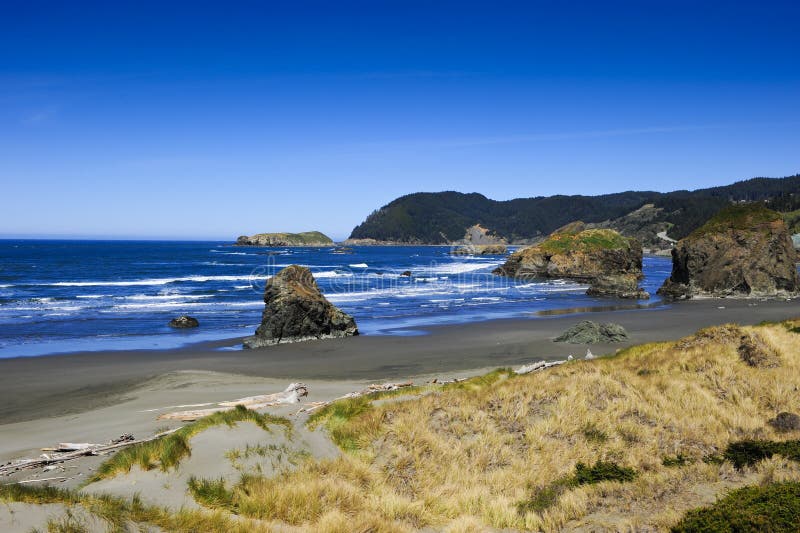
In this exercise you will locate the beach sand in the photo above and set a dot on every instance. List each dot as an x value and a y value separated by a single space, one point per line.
95 397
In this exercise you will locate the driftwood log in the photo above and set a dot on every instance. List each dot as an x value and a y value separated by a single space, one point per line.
62 456
371 389
539 365
291 395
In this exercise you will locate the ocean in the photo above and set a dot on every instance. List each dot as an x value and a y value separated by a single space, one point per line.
63 296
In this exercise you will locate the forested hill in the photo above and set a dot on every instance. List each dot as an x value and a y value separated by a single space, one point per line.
442 217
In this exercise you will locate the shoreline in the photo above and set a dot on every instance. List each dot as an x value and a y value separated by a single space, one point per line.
33 388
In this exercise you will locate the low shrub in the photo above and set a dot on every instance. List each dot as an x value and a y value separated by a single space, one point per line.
543 498
749 452
772 508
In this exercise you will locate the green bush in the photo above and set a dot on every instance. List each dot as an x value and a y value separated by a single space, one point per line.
544 497
773 508
602 471
749 452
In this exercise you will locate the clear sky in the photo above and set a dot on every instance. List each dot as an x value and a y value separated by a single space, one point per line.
213 119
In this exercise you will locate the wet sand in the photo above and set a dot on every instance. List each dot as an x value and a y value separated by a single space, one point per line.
49 386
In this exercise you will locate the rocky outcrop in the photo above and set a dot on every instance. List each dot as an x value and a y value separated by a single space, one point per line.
295 310
588 332
610 263
478 235
480 249
744 250
308 238
184 322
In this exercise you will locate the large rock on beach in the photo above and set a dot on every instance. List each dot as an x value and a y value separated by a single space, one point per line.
296 310
744 250
608 262
588 332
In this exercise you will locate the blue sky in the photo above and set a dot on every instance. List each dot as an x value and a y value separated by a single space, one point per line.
209 120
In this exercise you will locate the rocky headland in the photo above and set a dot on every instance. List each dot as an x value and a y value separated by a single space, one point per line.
308 238
610 263
744 250
296 310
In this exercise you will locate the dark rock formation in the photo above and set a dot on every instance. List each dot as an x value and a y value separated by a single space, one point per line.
296 310
786 422
610 263
588 332
480 249
744 250
184 322
406 274
308 238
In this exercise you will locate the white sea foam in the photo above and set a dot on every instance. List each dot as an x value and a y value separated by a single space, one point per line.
332 274
461 267
147 297
359 265
153 281
229 253
6 286
91 296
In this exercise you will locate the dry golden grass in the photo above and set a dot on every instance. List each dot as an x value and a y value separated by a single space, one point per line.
463 458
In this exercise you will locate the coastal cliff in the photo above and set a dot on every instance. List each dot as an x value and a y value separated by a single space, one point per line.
745 250
610 263
296 310
308 238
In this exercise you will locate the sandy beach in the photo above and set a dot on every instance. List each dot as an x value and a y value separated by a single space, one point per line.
99 394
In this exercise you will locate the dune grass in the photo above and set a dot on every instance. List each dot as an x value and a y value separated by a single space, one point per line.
167 452
464 457
119 514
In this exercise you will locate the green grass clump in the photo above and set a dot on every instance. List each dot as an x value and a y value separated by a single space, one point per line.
749 452
543 498
602 471
121 514
593 434
336 416
676 460
211 493
773 508
167 452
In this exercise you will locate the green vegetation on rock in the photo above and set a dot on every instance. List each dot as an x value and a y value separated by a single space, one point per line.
587 240
738 217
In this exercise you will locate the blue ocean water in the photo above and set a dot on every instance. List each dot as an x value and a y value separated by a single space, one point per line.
61 296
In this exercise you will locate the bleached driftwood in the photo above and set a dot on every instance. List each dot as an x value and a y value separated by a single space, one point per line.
291 395
539 365
371 389
62 456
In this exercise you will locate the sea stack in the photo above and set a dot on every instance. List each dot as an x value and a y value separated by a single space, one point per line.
295 310
610 263
744 250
